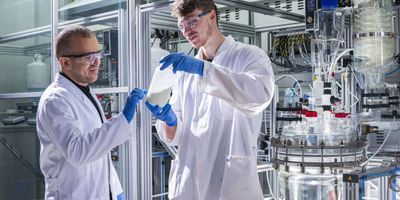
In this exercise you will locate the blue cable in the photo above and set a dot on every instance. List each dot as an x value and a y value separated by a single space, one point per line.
392 72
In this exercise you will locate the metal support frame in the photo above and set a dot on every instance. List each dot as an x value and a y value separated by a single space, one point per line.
353 89
290 26
272 133
54 25
355 182
162 155
397 26
130 167
382 173
144 129
54 33
124 150
258 8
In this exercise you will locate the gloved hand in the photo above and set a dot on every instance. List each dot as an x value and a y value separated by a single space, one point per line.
164 114
131 102
183 62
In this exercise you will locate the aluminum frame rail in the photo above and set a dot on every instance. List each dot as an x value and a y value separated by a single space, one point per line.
130 168
144 145
258 8
43 30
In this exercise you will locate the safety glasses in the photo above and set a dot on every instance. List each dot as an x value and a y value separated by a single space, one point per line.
191 22
86 58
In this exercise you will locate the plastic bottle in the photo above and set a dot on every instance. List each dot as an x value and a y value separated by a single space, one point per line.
161 86
38 74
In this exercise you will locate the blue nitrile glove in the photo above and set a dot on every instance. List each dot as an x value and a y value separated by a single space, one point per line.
121 196
183 62
164 114
131 102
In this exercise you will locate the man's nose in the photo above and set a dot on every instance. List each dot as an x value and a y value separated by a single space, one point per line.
186 30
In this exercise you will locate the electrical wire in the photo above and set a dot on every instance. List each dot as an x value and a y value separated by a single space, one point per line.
335 61
107 105
338 84
392 72
383 143
311 87
357 99
292 77
190 50
354 74
152 43
347 89
285 49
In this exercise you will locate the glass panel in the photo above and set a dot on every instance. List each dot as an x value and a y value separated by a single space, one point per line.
165 37
23 15
19 151
102 18
24 52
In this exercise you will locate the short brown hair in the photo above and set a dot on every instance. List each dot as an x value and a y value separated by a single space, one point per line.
181 8
64 38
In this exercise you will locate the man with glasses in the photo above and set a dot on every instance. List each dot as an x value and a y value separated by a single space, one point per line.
75 137
215 112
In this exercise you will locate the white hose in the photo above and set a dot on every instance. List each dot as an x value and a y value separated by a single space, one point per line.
335 61
383 143
292 77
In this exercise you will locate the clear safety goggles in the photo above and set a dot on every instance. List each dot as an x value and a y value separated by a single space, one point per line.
86 58
191 22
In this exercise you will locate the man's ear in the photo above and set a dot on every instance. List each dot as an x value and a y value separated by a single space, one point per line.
65 62
213 16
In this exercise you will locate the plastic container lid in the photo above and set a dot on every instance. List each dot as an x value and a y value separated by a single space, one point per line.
311 114
341 115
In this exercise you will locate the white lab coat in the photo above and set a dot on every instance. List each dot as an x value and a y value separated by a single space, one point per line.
75 145
219 119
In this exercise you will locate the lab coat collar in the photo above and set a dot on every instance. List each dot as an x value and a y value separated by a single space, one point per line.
226 44
84 89
64 82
